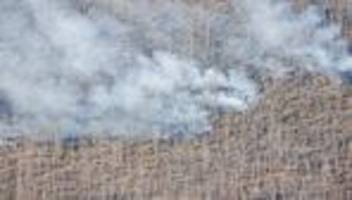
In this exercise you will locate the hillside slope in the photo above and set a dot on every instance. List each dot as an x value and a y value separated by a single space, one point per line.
296 144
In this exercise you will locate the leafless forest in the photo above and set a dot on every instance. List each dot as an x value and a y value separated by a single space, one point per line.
294 143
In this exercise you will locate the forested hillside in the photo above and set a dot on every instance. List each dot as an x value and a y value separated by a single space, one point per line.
275 91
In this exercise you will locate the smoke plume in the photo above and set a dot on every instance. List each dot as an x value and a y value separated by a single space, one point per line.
78 67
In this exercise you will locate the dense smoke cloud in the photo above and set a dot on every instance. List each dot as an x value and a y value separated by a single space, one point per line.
68 68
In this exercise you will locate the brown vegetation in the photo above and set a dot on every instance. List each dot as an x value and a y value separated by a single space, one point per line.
296 144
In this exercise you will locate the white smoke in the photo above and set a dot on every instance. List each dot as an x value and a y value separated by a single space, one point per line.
163 68
291 40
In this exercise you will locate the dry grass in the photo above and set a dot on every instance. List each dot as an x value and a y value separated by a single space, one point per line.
296 144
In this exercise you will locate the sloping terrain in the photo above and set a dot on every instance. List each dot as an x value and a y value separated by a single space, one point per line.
296 144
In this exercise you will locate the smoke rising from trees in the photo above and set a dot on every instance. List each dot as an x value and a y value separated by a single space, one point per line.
165 68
